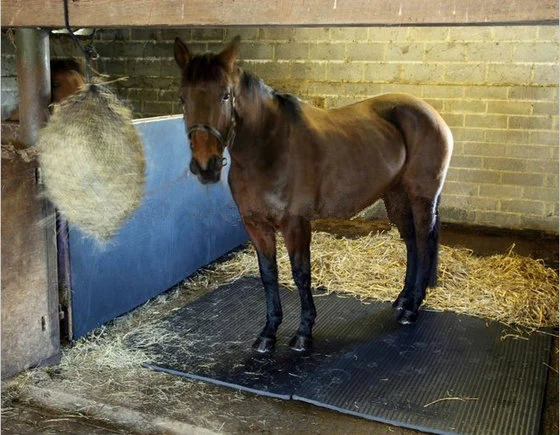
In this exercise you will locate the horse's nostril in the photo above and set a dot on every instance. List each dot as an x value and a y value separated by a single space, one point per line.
215 163
194 167
209 177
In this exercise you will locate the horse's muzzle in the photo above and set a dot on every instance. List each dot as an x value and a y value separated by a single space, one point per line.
212 172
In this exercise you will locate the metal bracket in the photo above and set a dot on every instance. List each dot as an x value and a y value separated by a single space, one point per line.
38 177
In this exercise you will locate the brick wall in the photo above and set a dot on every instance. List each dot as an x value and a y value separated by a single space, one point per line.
496 86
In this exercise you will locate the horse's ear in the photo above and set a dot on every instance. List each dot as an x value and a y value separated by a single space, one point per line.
229 54
182 54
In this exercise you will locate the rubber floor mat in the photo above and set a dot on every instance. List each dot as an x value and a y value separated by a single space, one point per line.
448 373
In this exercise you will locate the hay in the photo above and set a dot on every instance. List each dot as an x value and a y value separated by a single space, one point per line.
507 288
92 161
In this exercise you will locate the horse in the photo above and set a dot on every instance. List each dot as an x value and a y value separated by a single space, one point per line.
291 163
67 77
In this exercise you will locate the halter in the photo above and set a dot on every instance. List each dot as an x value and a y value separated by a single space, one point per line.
228 141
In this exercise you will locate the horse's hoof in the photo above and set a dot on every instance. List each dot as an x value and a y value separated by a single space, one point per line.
407 317
300 343
399 303
264 344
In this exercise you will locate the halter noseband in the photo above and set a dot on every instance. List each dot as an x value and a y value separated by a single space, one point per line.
228 141
214 132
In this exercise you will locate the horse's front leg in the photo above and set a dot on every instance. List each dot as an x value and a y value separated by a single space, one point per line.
297 236
264 239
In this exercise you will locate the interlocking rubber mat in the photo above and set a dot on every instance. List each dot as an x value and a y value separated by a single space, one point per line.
448 373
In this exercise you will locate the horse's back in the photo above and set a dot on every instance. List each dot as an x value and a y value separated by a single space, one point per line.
400 138
357 154
413 117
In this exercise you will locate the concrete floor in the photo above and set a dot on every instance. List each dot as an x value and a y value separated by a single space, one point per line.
24 418
212 409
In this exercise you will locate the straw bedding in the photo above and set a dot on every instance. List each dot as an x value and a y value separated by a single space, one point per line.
507 288
92 161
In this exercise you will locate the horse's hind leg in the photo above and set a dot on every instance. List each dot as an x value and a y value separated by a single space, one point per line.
297 236
434 240
424 211
264 239
399 212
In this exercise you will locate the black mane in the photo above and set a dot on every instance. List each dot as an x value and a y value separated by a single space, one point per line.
287 103
290 106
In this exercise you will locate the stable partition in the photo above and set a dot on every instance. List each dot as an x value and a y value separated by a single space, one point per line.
181 226
30 317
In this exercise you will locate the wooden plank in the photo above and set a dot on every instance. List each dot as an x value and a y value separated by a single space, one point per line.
30 331
178 13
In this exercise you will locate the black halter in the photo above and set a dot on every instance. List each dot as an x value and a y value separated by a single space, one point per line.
228 141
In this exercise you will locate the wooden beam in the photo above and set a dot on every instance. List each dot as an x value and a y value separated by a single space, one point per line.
183 13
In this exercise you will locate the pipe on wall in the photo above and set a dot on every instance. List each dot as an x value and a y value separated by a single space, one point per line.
34 82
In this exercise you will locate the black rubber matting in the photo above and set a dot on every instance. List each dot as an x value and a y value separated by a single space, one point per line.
448 373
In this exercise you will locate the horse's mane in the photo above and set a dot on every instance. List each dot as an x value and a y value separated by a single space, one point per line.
287 103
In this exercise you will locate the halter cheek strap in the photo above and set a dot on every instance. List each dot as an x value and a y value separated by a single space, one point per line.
228 141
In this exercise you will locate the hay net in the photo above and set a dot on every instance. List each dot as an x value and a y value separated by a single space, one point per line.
92 161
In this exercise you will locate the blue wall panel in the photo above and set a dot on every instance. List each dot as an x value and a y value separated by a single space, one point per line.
180 226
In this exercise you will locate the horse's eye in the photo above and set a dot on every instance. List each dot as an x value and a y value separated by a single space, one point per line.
226 96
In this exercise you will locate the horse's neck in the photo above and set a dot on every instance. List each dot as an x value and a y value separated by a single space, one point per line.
257 113
255 100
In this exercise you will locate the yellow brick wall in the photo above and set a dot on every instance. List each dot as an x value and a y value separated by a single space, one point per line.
496 86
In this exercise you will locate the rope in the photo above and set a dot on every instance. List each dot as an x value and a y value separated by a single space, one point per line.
88 51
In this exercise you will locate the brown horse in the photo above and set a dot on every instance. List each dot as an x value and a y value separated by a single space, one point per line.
66 78
291 163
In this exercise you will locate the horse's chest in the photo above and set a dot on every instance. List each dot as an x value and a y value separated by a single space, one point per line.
275 202
258 197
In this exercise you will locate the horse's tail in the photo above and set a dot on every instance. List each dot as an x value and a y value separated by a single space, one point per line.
434 247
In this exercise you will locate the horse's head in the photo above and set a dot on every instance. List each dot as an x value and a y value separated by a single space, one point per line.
207 93
66 78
